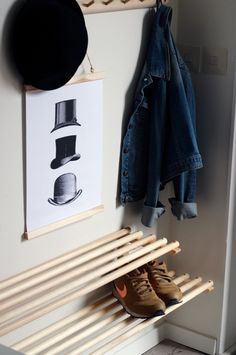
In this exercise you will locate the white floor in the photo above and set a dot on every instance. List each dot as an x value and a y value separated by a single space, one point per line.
168 347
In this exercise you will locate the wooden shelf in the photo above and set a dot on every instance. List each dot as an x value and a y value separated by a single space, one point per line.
44 288
100 322
36 292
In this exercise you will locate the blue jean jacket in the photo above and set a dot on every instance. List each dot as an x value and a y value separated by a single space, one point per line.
160 142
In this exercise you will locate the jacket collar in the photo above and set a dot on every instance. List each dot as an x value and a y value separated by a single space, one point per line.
158 58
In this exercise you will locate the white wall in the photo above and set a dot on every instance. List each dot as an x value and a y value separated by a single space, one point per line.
115 43
209 23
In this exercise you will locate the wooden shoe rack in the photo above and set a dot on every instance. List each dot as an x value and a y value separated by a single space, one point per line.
42 289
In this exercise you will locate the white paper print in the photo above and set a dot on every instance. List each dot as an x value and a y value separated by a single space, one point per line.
63 152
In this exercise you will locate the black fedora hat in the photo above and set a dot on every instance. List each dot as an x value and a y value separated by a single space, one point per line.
47 41
65 114
65 151
65 190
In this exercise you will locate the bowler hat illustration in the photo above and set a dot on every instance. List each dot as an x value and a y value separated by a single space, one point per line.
47 41
65 190
65 114
65 151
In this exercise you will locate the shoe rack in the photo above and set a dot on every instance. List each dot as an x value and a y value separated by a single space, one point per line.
42 289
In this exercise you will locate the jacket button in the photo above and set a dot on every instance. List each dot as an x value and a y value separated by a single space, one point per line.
125 173
125 151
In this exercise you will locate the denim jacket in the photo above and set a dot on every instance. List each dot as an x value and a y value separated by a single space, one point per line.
160 141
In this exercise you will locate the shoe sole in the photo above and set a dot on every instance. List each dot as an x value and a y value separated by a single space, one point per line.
173 302
158 313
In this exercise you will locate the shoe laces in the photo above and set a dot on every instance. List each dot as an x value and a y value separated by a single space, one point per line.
160 274
139 281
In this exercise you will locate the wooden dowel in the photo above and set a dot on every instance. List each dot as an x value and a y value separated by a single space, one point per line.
104 335
63 222
73 273
138 328
87 332
61 290
59 269
72 254
177 251
16 323
76 316
64 333
101 303
76 79
178 280
191 284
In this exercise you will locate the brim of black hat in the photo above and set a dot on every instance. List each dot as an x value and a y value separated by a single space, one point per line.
46 59
53 202
56 163
61 125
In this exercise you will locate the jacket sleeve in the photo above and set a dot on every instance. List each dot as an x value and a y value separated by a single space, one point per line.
184 205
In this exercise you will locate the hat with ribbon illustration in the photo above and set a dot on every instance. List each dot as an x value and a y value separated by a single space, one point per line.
65 151
65 190
47 41
65 114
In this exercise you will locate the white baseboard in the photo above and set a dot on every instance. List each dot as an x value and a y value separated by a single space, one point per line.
155 334
142 342
7 351
231 350
189 338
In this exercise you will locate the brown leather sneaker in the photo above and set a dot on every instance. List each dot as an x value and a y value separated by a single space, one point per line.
137 296
162 283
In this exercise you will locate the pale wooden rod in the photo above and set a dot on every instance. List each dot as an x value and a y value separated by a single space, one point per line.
191 284
96 318
16 323
207 286
178 280
75 339
62 258
76 272
63 333
61 324
98 6
60 291
63 222
76 79
63 268
114 329
123 325
58 349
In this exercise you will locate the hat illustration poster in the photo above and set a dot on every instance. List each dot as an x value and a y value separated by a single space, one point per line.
63 153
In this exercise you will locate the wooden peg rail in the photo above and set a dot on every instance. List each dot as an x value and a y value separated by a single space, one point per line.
96 6
44 288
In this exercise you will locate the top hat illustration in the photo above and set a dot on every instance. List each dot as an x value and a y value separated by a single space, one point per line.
65 190
65 114
65 151
46 58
